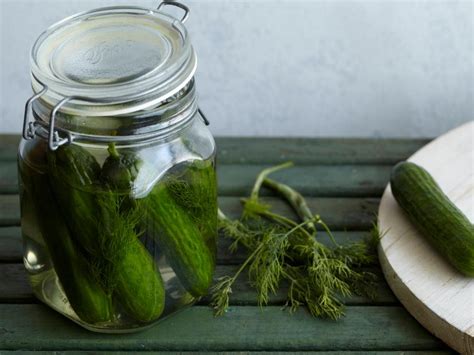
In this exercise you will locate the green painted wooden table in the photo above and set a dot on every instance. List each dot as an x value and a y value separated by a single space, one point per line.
343 179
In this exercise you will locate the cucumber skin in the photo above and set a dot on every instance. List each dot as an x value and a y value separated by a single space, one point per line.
120 169
139 286
434 215
86 297
180 240
196 192
71 170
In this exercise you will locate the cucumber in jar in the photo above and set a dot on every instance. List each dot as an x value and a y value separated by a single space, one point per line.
181 215
93 208
195 190
179 237
88 300
138 285
74 173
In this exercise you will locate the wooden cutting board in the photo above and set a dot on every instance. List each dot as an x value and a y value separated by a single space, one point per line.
437 295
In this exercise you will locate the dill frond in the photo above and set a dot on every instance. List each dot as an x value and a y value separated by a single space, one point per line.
266 267
220 295
120 222
220 292
282 250
237 231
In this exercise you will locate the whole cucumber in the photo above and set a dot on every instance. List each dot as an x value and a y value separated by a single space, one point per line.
137 282
434 215
86 297
195 190
74 173
139 286
179 239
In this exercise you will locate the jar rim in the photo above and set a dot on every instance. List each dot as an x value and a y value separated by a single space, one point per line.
112 61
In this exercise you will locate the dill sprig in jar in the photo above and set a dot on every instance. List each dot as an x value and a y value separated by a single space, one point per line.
117 170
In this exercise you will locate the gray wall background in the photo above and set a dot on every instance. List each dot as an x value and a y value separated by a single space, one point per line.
296 68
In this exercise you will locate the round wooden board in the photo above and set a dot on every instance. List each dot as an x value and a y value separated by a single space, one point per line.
437 295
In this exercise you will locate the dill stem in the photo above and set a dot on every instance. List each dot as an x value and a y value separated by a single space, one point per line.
246 262
263 174
221 216
287 275
328 231
294 281
286 222
299 226
294 198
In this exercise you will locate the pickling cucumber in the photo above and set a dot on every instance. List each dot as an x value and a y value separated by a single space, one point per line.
86 297
139 287
434 215
136 280
179 239
73 172
92 206
195 190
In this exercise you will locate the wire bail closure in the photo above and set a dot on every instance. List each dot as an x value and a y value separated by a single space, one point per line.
176 4
203 116
30 127
54 140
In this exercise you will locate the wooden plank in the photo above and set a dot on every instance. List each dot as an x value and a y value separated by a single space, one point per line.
10 245
339 213
34 326
240 150
307 151
8 177
16 289
9 146
243 294
237 180
398 352
9 210
321 180
11 250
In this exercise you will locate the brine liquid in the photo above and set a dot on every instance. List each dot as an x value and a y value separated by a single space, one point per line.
45 281
47 287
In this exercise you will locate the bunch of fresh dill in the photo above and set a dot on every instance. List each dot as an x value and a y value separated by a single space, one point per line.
282 251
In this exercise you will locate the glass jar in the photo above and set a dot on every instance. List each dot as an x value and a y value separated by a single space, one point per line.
117 170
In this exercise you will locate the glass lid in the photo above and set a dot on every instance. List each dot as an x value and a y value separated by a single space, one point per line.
112 61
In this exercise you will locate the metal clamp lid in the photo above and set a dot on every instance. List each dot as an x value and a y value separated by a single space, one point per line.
55 140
